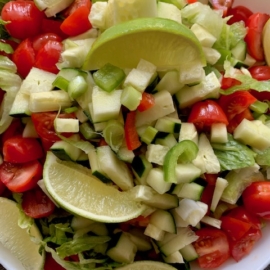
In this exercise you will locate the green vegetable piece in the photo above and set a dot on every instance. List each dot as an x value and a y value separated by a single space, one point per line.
259 107
61 83
109 77
184 151
77 87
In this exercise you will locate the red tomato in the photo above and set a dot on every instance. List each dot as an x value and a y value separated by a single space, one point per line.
207 195
48 56
2 187
75 5
205 113
244 245
19 177
24 57
212 247
15 128
239 13
52 26
36 204
236 103
237 119
235 228
255 24
40 40
260 73
147 102
228 82
20 150
256 198
50 263
25 19
223 5
44 124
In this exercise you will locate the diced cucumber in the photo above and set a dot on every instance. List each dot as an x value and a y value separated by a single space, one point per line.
29 130
205 37
137 236
116 169
168 124
156 153
163 106
189 253
131 98
163 201
66 125
88 132
188 132
125 154
239 51
154 232
218 133
186 173
220 186
141 167
169 11
166 139
174 258
211 221
149 135
124 251
191 191
155 179
211 55
191 74
163 220
97 14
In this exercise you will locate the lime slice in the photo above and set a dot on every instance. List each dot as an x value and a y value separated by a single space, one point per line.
16 240
75 189
163 42
147 265
266 41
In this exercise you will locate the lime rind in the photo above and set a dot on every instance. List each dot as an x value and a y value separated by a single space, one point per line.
163 42
17 240
75 189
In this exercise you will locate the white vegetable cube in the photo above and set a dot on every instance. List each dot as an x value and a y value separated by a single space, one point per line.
156 153
188 131
218 133
155 179
205 37
191 74
211 55
169 11
154 232
131 98
105 106
97 14
253 133
186 173
66 125
221 184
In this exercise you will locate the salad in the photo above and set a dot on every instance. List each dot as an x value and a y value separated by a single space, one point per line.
134 131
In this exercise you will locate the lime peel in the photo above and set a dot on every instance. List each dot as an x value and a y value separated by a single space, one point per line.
163 42
75 189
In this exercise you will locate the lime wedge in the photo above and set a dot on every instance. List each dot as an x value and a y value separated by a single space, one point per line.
163 42
16 240
75 189
266 41
147 265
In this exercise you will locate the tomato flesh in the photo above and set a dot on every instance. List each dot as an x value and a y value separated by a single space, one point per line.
20 177
239 13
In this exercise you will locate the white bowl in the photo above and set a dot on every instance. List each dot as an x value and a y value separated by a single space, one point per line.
259 257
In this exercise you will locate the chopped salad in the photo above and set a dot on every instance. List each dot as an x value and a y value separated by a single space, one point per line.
190 144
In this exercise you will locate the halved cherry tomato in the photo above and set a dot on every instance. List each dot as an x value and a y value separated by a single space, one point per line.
260 73
19 177
39 41
205 113
147 102
223 5
24 57
239 13
24 17
131 135
236 103
50 263
20 150
256 198
52 26
227 82
212 247
240 248
255 24
36 204
237 119
15 128
44 124
48 56
77 21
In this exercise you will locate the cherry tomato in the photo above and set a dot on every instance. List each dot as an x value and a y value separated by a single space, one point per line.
24 17
236 103
260 73
256 198
223 5
237 119
20 150
240 248
52 26
205 113
24 57
36 204
19 177
147 102
227 82
48 56
50 263
255 24
15 128
44 124
75 5
212 247
239 13
40 40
